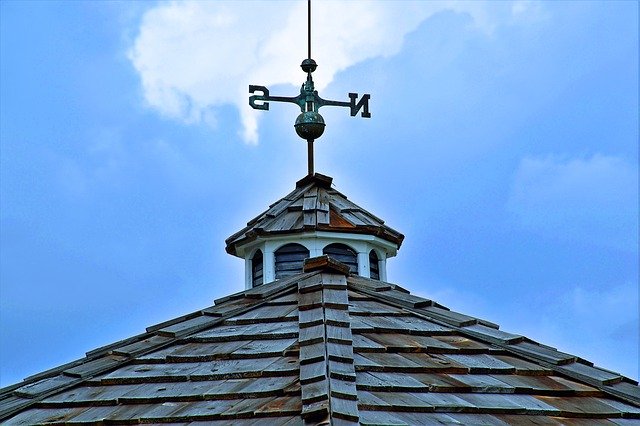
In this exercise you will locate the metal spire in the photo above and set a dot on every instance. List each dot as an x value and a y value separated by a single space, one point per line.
310 162
309 125
309 29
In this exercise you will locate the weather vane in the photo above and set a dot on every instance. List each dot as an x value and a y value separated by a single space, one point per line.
309 124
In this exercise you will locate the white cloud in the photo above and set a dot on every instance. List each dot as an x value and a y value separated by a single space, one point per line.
585 199
195 56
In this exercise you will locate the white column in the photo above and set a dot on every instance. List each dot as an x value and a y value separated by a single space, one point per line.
382 268
268 266
363 264
315 247
247 274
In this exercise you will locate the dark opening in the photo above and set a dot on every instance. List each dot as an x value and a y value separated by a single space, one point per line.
290 259
257 269
374 265
343 253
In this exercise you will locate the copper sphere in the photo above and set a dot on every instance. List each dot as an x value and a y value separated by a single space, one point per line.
308 65
309 125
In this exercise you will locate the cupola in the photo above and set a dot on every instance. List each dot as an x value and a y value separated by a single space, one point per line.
313 220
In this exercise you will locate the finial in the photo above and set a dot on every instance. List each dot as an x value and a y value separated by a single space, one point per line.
309 124
308 65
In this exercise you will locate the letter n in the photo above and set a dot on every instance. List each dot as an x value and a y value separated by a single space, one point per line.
363 104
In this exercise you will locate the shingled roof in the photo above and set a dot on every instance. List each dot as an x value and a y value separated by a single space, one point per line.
322 347
313 206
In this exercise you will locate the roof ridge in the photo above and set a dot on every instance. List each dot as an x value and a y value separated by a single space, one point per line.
17 397
574 367
327 371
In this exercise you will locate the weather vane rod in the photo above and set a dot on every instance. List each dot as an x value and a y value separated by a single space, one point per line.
309 124
309 29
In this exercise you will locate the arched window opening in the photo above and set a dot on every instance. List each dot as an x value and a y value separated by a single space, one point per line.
257 269
374 265
290 259
343 253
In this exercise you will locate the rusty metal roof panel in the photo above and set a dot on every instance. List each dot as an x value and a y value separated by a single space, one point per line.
322 346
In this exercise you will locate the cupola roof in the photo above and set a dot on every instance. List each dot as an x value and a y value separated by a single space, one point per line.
313 206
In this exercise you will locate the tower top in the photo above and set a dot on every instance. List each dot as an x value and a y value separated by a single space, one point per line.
309 124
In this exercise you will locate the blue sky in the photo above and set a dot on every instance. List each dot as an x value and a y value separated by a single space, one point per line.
503 143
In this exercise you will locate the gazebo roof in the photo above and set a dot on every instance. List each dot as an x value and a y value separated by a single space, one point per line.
323 346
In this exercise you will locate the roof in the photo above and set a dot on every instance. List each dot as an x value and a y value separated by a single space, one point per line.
320 347
313 206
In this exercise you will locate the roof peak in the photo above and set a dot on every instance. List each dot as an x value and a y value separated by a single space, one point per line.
318 179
